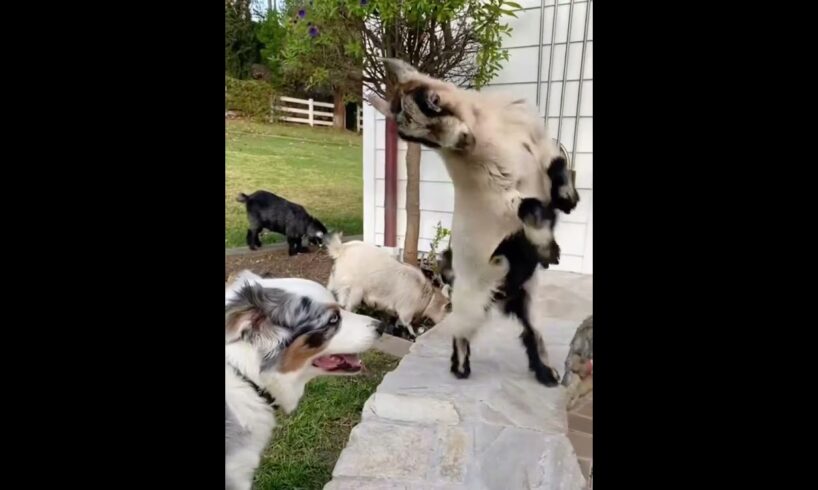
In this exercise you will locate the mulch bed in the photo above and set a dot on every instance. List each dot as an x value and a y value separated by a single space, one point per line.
315 265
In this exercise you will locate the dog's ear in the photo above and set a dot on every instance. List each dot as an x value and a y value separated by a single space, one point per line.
398 71
242 277
248 312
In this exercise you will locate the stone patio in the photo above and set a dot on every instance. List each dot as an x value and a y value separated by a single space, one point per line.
499 429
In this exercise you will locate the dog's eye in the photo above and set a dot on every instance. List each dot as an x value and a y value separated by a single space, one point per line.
334 319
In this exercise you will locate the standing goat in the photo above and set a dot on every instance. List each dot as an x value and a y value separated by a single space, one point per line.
509 180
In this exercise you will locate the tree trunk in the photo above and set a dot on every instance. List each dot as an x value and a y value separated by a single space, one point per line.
410 245
339 111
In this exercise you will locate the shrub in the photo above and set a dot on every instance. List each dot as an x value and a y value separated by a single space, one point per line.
252 98
431 260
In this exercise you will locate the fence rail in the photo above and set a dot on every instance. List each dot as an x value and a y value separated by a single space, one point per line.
313 117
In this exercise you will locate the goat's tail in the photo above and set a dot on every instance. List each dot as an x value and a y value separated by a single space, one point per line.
334 245
242 197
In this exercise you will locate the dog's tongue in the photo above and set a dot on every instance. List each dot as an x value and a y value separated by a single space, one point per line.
329 362
334 361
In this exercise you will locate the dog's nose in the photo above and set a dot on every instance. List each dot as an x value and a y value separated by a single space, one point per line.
380 327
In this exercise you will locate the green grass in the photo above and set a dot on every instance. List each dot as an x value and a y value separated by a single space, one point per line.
306 444
319 168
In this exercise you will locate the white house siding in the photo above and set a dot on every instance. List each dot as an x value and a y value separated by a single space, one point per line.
575 231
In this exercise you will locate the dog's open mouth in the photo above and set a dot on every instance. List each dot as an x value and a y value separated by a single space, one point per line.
348 363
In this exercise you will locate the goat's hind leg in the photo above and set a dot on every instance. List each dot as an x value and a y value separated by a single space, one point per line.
465 326
461 350
532 341
469 309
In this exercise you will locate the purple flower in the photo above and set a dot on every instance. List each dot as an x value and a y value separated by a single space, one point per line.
302 13
364 2
313 31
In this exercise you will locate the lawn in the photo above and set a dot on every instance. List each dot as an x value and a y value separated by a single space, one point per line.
319 168
306 445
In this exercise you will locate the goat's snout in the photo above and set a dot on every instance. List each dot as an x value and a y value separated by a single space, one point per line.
379 326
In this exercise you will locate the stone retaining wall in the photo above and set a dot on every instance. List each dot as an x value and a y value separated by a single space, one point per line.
499 429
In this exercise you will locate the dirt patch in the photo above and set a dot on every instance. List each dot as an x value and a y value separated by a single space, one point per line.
315 265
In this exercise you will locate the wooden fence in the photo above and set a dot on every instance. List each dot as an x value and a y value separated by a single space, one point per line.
303 111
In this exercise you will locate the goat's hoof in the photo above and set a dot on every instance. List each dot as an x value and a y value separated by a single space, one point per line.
549 377
566 200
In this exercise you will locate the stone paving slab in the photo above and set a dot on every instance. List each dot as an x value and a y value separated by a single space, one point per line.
497 430
393 345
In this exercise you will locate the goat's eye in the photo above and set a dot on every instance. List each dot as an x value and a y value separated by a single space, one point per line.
334 319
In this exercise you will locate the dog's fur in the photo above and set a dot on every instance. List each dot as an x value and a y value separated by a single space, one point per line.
579 374
279 334
368 274
267 210
508 179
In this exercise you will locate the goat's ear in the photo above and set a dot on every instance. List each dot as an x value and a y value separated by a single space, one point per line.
398 70
433 101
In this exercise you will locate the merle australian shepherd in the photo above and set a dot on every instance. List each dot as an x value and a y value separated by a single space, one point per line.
278 335
267 210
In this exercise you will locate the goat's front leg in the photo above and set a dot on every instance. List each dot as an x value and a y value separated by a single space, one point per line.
563 194
538 223
407 324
